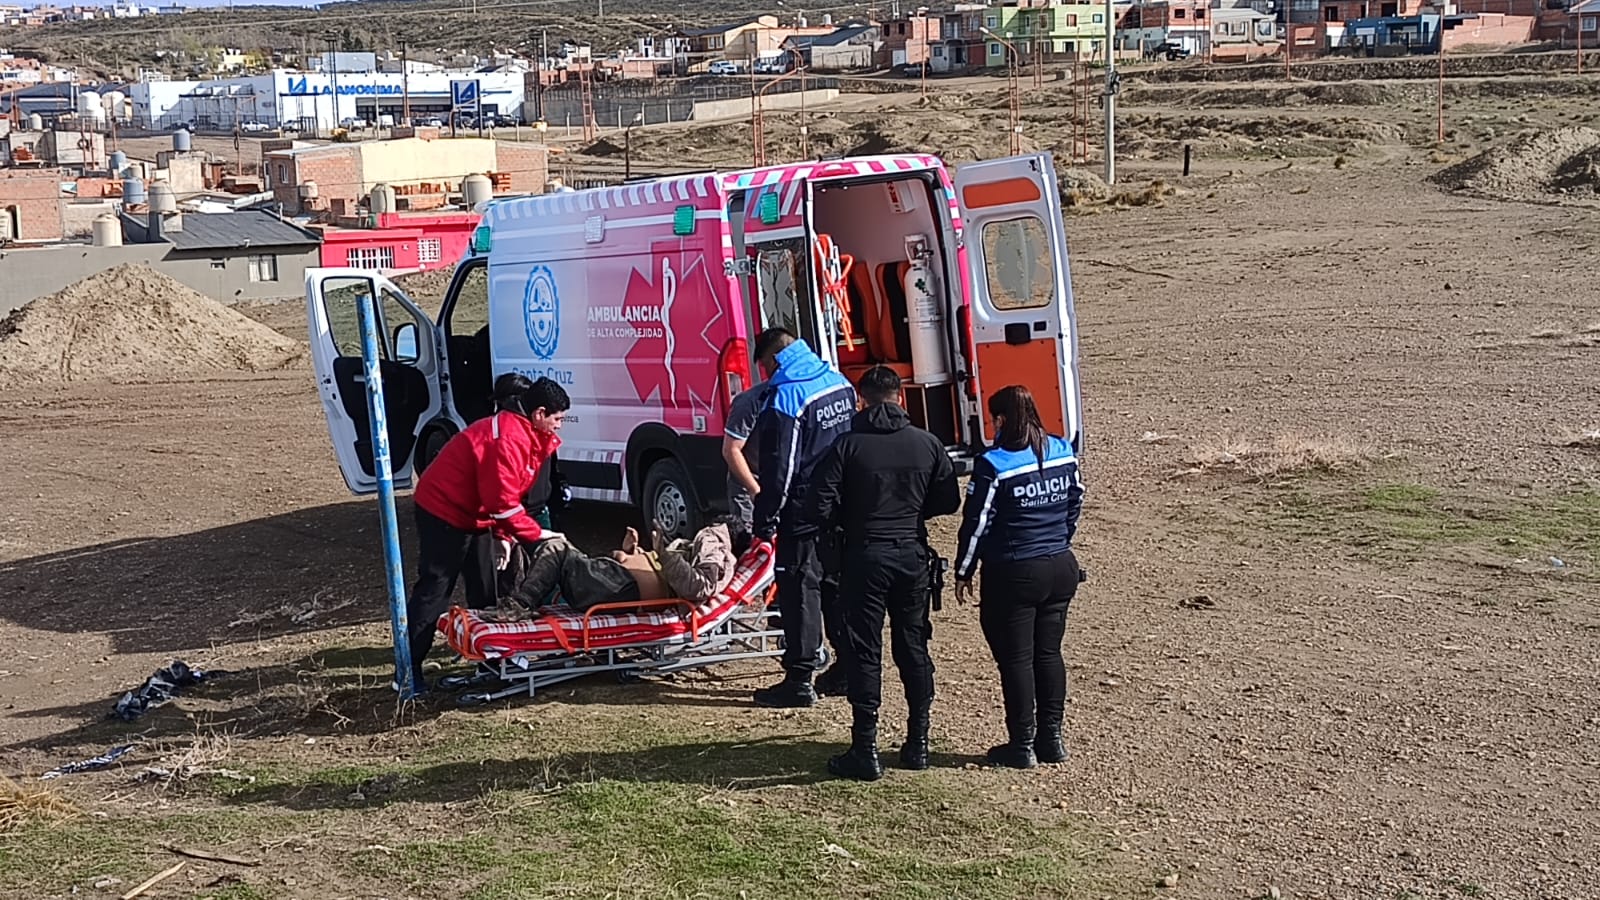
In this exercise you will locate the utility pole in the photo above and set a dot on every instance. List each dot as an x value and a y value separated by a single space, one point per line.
333 77
1112 84
405 83
538 93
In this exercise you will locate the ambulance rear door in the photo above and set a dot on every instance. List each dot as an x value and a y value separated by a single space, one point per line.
409 365
1024 330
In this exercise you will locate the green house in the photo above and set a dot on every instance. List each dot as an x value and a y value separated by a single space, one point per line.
1040 29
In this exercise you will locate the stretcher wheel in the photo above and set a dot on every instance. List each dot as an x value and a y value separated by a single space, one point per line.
630 676
472 699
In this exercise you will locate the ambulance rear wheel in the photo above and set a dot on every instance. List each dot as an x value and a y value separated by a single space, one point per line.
669 498
429 446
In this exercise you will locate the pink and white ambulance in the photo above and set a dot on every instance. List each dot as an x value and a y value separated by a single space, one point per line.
643 300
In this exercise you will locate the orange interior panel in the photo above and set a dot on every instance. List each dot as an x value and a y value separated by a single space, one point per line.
1000 193
1033 365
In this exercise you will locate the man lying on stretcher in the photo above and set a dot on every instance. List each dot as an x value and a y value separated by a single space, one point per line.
547 571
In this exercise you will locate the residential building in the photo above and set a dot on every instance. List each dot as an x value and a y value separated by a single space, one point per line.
1046 31
333 180
251 254
704 45
403 241
961 45
909 39
853 46
30 204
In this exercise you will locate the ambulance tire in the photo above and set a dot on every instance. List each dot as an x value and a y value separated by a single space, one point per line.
669 496
434 437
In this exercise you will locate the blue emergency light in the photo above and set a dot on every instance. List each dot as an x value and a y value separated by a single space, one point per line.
481 239
768 208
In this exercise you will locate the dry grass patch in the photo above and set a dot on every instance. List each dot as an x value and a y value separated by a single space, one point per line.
1287 454
21 806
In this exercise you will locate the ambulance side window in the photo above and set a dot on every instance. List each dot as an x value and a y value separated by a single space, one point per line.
471 310
339 297
1021 269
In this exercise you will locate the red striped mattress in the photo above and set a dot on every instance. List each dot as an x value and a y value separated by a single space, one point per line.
561 629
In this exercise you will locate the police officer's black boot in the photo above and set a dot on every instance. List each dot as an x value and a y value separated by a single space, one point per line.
1016 753
1048 746
914 752
861 760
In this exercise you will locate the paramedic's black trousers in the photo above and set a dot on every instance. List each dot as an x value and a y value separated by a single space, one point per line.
444 553
887 576
808 591
1024 616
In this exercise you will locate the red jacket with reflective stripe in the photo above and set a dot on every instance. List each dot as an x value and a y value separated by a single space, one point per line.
478 480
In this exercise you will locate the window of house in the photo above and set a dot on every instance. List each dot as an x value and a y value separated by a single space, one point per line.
264 267
994 49
1590 23
991 21
429 250
1072 21
1179 14
218 263
283 173
1199 14
370 257
1098 18
1330 14
1019 265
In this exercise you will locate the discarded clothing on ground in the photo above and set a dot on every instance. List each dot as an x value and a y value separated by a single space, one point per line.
88 765
159 688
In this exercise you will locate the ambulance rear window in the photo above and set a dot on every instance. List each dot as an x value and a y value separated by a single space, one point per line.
1020 266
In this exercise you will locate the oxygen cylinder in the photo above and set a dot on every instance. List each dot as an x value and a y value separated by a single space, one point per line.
929 361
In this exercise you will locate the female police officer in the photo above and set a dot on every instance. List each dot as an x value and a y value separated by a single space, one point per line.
1021 511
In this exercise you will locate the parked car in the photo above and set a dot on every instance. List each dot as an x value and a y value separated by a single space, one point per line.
505 121
354 123
773 65
255 127
910 70
724 67
1168 49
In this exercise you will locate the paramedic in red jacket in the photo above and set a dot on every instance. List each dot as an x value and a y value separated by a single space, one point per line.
470 502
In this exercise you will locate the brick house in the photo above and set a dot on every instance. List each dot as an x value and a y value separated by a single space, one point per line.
334 180
908 40
30 205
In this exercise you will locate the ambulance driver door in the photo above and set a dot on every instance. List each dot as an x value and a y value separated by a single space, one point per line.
408 363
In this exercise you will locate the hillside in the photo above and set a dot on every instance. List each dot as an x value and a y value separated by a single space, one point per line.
116 48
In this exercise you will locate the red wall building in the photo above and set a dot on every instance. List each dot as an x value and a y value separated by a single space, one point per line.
402 241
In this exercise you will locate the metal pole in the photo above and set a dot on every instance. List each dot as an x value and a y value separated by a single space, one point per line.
538 94
627 154
388 523
1441 74
1111 96
405 84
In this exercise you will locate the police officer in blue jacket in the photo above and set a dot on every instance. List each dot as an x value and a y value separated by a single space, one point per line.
808 407
1021 512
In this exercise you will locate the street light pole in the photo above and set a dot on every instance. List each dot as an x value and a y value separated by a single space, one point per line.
1014 107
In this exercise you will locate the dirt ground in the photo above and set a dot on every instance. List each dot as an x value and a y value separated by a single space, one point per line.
1339 639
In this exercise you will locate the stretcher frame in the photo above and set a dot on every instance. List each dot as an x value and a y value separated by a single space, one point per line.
750 631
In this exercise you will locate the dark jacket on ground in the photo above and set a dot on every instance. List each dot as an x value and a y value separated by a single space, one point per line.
1019 507
882 480
808 407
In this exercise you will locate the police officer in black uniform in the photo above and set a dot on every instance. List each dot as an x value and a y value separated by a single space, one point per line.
880 483
1021 514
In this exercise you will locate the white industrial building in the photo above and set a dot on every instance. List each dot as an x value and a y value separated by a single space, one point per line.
314 100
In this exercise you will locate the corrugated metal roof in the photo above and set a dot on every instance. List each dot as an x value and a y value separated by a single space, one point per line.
227 231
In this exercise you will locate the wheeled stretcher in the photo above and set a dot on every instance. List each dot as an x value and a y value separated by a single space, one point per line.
634 640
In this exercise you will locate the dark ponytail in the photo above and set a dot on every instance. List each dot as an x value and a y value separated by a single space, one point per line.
1023 429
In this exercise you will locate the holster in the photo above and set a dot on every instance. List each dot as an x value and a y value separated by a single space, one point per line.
937 567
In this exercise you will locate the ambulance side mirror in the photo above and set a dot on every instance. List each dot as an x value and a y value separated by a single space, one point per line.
405 343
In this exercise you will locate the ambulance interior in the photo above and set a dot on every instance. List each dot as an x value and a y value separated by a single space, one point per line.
890 249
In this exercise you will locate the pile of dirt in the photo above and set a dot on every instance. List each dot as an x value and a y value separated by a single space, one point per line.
132 322
1538 166
1081 187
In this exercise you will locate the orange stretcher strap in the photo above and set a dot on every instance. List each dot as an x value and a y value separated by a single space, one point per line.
836 284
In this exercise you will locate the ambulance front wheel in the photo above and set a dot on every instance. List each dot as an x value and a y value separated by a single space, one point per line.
669 498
